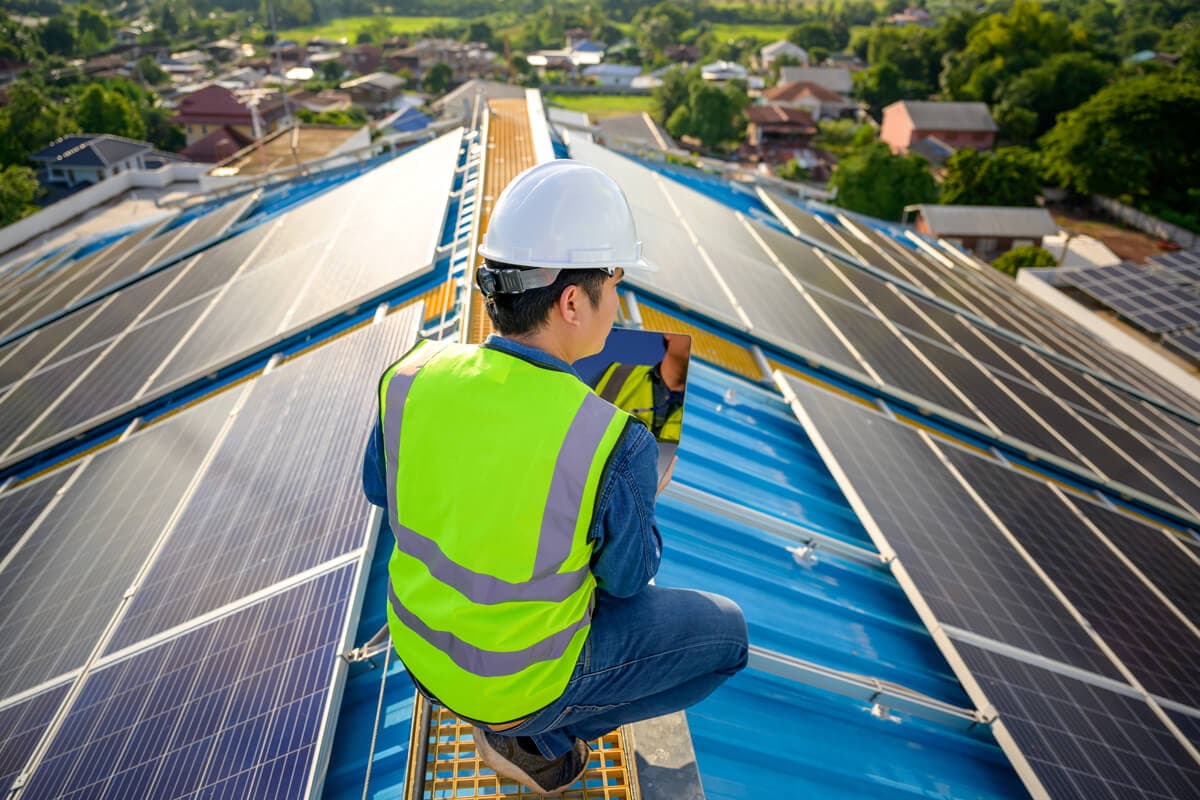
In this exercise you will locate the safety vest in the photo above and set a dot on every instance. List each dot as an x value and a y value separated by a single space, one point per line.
628 387
493 470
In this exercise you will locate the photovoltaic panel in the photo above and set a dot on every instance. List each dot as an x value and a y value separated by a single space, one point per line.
803 262
1176 575
284 492
1156 646
21 505
25 401
804 222
1188 724
233 709
960 563
22 725
62 586
211 269
889 357
1082 741
889 304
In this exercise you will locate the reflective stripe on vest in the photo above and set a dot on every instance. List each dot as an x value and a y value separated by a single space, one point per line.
628 386
494 672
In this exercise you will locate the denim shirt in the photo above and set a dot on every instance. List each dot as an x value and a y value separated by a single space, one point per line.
626 546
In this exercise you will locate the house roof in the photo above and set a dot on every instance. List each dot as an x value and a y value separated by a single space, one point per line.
379 80
408 118
491 90
217 146
781 47
935 116
718 67
614 70
217 105
1001 222
777 116
836 79
639 128
933 149
90 150
797 89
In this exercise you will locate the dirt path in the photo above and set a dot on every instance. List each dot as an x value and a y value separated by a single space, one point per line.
1127 243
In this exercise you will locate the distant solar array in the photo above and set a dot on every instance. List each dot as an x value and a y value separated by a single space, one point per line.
1075 622
925 326
1155 300
151 337
173 603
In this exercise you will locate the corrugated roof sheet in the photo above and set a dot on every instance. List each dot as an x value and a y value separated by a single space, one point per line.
993 221
947 116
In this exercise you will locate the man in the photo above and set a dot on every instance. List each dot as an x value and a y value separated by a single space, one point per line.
653 393
522 504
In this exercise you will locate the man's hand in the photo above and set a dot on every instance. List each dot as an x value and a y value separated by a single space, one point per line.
666 476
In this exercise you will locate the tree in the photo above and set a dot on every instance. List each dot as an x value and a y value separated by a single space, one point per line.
873 181
29 122
18 187
815 34
711 113
437 79
879 86
792 171
58 36
1063 82
1029 255
148 70
1135 137
673 93
93 22
103 111
1007 177
1002 46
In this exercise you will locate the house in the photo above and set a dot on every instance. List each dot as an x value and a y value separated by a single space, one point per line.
219 144
362 60
724 71
768 55
250 113
224 49
318 102
987 231
106 66
377 92
407 119
11 69
286 150
636 129
578 53
775 132
126 35
460 101
911 16
818 101
90 158
932 149
613 75
835 79
465 59
682 53
955 124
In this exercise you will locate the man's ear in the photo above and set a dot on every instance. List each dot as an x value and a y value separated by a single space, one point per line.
568 304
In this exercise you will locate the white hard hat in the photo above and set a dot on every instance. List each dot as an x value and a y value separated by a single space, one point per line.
563 215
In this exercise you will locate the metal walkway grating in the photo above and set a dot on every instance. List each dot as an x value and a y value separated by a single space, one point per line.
453 768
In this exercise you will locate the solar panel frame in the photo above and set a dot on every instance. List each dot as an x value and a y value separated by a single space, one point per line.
21 727
21 505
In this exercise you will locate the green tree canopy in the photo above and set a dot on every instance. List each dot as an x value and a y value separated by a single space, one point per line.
437 79
18 187
673 92
873 181
712 114
58 35
89 21
148 70
29 122
1136 136
1063 82
1001 46
1007 177
1029 255
103 111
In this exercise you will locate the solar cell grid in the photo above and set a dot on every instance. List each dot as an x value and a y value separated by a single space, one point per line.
1156 646
231 710
21 727
961 564
802 261
806 223
20 506
257 518
63 585
1082 741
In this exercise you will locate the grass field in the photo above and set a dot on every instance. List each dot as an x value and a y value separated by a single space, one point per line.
603 105
767 32
349 27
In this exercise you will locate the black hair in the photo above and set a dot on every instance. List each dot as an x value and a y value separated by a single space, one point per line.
515 314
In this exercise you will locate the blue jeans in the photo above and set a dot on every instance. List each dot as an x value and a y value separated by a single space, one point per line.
658 651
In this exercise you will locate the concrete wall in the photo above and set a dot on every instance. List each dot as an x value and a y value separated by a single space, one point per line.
1032 282
1146 223
86 199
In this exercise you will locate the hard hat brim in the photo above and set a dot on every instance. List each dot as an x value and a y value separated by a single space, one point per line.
638 265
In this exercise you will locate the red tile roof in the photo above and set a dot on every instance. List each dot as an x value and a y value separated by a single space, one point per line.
788 92
217 146
780 116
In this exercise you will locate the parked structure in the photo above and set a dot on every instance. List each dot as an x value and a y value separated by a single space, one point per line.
987 231
249 115
957 125
835 79
616 76
769 54
378 93
774 133
815 99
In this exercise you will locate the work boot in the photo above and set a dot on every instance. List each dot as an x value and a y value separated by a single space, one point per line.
513 759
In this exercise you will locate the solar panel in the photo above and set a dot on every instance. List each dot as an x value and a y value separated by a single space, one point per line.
1186 343
805 224
802 261
1082 741
889 357
959 562
1156 646
62 586
20 506
284 493
232 709
337 268
21 727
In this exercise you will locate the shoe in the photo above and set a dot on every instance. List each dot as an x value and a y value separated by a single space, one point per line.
508 758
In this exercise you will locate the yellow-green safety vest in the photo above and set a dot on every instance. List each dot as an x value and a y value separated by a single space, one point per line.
628 387
493 469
